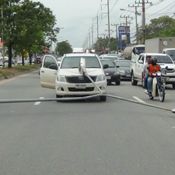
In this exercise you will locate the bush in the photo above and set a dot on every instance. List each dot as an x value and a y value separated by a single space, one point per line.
6 73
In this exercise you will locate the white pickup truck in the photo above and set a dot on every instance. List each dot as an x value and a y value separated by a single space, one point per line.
164 60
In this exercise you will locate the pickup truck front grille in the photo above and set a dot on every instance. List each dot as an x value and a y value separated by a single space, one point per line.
79 79
170 70
87 89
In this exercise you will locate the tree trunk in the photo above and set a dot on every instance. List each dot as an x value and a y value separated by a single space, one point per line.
10 55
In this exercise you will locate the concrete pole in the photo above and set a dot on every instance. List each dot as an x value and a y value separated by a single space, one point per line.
136 13
109 35
97 28
143 20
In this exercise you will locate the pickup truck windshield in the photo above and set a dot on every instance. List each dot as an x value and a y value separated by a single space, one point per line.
74 62
164 59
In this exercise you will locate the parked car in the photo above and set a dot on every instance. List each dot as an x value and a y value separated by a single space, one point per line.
69 79
165 62
124 68
112 73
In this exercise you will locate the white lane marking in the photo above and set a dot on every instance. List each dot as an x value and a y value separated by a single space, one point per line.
173 127
38 102
138 99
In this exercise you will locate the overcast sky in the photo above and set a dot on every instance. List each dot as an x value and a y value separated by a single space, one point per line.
75 17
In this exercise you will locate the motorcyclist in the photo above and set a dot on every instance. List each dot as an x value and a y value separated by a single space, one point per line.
153 68
145 72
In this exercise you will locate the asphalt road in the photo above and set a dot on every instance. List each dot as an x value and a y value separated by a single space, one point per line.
84 137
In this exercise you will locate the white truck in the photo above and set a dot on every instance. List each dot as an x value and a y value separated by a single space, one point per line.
164 45
132 52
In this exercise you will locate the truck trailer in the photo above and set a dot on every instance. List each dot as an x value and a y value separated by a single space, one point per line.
157 45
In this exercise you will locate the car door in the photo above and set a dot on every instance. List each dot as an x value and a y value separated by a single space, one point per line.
48 71
139 66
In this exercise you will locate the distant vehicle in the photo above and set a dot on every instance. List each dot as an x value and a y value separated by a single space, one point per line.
165 62
132 52
74 78
110 56
112 73
124 69
156 45
170 52
78 50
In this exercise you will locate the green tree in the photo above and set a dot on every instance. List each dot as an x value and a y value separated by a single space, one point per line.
29 26
63 48
7 25
35 27
101 44
163 26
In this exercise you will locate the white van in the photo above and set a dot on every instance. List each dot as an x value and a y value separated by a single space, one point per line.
69 80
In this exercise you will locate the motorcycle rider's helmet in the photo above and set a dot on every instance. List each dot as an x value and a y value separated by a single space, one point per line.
154 61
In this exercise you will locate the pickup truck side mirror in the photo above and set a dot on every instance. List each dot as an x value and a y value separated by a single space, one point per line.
140 61
105 66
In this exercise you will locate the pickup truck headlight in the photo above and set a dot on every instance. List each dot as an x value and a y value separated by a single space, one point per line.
61 78
100 78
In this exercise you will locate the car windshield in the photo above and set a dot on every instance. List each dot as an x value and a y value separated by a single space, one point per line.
110 63
171 53
139 50
74 62
163 59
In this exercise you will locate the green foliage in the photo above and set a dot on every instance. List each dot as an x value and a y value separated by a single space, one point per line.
27 26
101 44
163 26
63 48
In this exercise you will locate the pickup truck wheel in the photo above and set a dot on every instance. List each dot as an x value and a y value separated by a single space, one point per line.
133 81
103 98
58 96
173 85
117 82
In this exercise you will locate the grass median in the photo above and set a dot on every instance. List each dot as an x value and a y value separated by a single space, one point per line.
6 73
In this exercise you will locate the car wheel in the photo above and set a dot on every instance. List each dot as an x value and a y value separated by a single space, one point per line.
117 82
103 98
133 81
58 96
173 85
108 82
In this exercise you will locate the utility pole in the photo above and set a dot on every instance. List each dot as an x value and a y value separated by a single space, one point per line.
109 35
136 21
109 30
143 2
126 17
92 35
116 30
89 39
97 28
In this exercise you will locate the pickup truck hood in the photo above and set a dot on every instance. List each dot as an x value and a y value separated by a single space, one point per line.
75 72
169 66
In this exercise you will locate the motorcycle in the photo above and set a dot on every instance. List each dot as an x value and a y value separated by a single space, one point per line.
158 86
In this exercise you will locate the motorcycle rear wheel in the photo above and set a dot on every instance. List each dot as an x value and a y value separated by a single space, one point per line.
161 95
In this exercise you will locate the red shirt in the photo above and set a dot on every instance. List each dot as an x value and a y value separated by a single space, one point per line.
153 69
